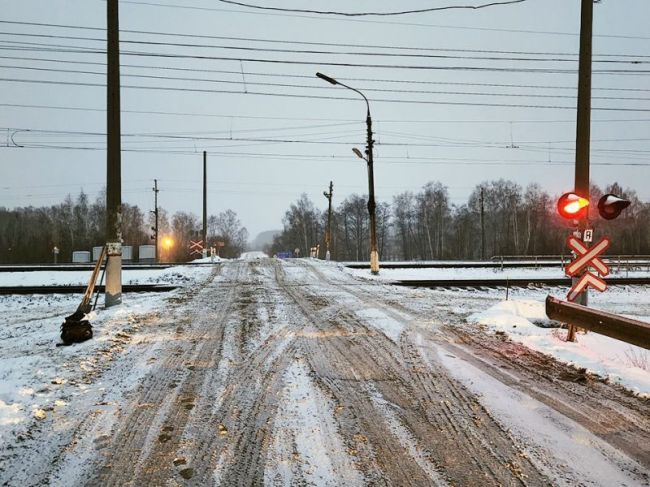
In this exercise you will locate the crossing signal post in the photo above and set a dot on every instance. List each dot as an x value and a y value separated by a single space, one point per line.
575 208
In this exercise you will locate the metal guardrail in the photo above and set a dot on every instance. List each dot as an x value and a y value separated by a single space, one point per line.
614 326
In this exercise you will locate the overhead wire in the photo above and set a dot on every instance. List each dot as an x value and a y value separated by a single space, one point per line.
321 97
301 42
573 59
266 117
298 76
374 14
416 67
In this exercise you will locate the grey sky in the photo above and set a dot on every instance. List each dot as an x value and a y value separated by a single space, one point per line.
458 145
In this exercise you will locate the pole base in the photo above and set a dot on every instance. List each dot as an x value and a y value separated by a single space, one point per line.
113 280
374 262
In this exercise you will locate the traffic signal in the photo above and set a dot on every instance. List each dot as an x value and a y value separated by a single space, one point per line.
611 205
572 206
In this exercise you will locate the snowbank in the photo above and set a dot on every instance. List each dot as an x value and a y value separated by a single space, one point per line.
525 321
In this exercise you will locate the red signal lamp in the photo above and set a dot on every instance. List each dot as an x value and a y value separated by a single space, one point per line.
572 206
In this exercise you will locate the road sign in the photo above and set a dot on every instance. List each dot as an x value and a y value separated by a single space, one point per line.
196 247
587 279
589 235
587 256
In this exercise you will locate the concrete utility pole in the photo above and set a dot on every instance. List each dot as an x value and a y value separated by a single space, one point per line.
328 234
205 204
155 213
113 160
583 127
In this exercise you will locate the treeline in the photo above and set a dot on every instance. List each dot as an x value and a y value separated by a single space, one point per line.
28 235
424 225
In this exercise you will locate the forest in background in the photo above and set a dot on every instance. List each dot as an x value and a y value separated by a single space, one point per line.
424 225
28 235
420 225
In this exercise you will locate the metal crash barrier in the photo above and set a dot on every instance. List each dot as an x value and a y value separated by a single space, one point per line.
614 326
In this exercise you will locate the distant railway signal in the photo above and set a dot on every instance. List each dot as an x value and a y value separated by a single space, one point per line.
572 206
610 206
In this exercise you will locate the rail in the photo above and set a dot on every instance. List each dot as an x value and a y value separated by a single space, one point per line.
614 326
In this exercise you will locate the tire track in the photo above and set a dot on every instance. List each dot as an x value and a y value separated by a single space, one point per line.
446 423
143 448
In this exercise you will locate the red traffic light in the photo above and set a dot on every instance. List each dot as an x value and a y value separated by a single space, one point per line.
572 206
611 205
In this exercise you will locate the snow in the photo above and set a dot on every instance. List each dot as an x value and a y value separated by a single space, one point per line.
37 378
549 438
170 275
478 273
306 422
618 361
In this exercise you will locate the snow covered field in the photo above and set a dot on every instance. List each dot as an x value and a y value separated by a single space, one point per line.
171 275
36 377
481 273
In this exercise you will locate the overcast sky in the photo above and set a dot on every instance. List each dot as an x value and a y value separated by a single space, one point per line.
265 149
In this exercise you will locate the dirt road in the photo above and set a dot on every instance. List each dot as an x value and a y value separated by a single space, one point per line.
294 373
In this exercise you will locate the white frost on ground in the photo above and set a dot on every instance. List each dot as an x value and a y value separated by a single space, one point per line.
305 420
620 362
37 378
566 451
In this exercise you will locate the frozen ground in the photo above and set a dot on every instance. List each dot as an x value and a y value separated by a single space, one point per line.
297 373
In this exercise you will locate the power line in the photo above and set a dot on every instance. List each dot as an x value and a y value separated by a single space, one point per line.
78 50
634 59
382 160
375 14
298 76
320 97
319 87
383 22
261 117
290 42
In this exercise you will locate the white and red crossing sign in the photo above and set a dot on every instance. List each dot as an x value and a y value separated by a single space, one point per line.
587 257
196 247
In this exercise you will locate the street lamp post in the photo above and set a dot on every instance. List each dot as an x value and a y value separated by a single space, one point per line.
374 252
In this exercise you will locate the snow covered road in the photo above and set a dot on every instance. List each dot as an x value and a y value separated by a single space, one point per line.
297 373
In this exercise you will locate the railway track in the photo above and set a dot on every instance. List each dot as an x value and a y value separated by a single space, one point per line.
90 267
612 261
127 288
518 282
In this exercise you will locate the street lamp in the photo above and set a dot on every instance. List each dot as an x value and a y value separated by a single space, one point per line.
374 252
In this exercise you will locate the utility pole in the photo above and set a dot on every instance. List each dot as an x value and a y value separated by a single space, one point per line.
113 159
155 213
374 251
328 234
583 127
482 226
205 204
